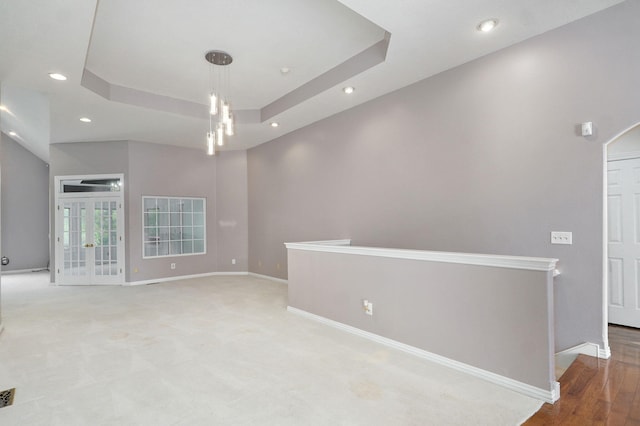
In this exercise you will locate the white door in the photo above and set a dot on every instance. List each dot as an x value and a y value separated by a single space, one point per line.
623 210
89 242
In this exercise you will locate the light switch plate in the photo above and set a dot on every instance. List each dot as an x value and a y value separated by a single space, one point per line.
561 237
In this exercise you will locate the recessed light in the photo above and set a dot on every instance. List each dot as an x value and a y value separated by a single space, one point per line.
349 90
85 119
57 76
285 70
12 133
274 124
487 25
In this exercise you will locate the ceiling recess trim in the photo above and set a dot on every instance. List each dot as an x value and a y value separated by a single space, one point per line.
353 66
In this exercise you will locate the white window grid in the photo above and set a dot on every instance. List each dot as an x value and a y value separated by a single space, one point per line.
173 226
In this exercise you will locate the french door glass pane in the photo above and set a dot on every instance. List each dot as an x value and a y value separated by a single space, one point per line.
105 235
73 239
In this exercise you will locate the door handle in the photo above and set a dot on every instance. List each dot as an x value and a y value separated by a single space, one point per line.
88 245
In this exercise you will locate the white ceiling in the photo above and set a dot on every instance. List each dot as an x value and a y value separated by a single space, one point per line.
146 79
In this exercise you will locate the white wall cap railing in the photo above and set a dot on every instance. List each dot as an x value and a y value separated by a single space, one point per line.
498 261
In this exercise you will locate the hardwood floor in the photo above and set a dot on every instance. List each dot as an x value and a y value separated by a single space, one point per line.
599 392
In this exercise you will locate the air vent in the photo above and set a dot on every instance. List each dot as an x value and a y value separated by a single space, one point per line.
6 397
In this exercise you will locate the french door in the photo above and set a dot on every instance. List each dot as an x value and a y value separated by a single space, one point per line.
89 241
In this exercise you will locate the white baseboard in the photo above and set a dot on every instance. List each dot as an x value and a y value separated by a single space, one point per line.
588 348
604 353
23 271
549 396
267 277
181 277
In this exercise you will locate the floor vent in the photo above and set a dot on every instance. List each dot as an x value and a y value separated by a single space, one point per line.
6 397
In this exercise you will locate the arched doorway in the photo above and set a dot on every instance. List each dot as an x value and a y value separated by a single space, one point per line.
621 230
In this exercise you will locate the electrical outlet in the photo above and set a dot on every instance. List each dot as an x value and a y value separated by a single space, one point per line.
233 261
368 307
173 266
561 237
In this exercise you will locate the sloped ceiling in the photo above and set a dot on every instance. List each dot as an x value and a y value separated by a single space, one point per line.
137 68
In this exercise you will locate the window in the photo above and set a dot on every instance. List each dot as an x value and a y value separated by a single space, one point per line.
173 226
108 184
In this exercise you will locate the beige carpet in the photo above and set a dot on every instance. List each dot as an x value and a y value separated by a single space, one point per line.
215 351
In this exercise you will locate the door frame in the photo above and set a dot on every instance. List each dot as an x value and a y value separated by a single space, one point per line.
118 196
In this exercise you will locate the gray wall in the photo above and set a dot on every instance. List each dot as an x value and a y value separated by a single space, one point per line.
1 267
25 207
482 158
231 211
413 300
170 171
1 139
161 170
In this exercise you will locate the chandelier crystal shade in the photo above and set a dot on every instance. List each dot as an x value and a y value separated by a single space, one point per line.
221 121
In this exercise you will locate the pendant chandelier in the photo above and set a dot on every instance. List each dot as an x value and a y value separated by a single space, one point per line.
221 121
